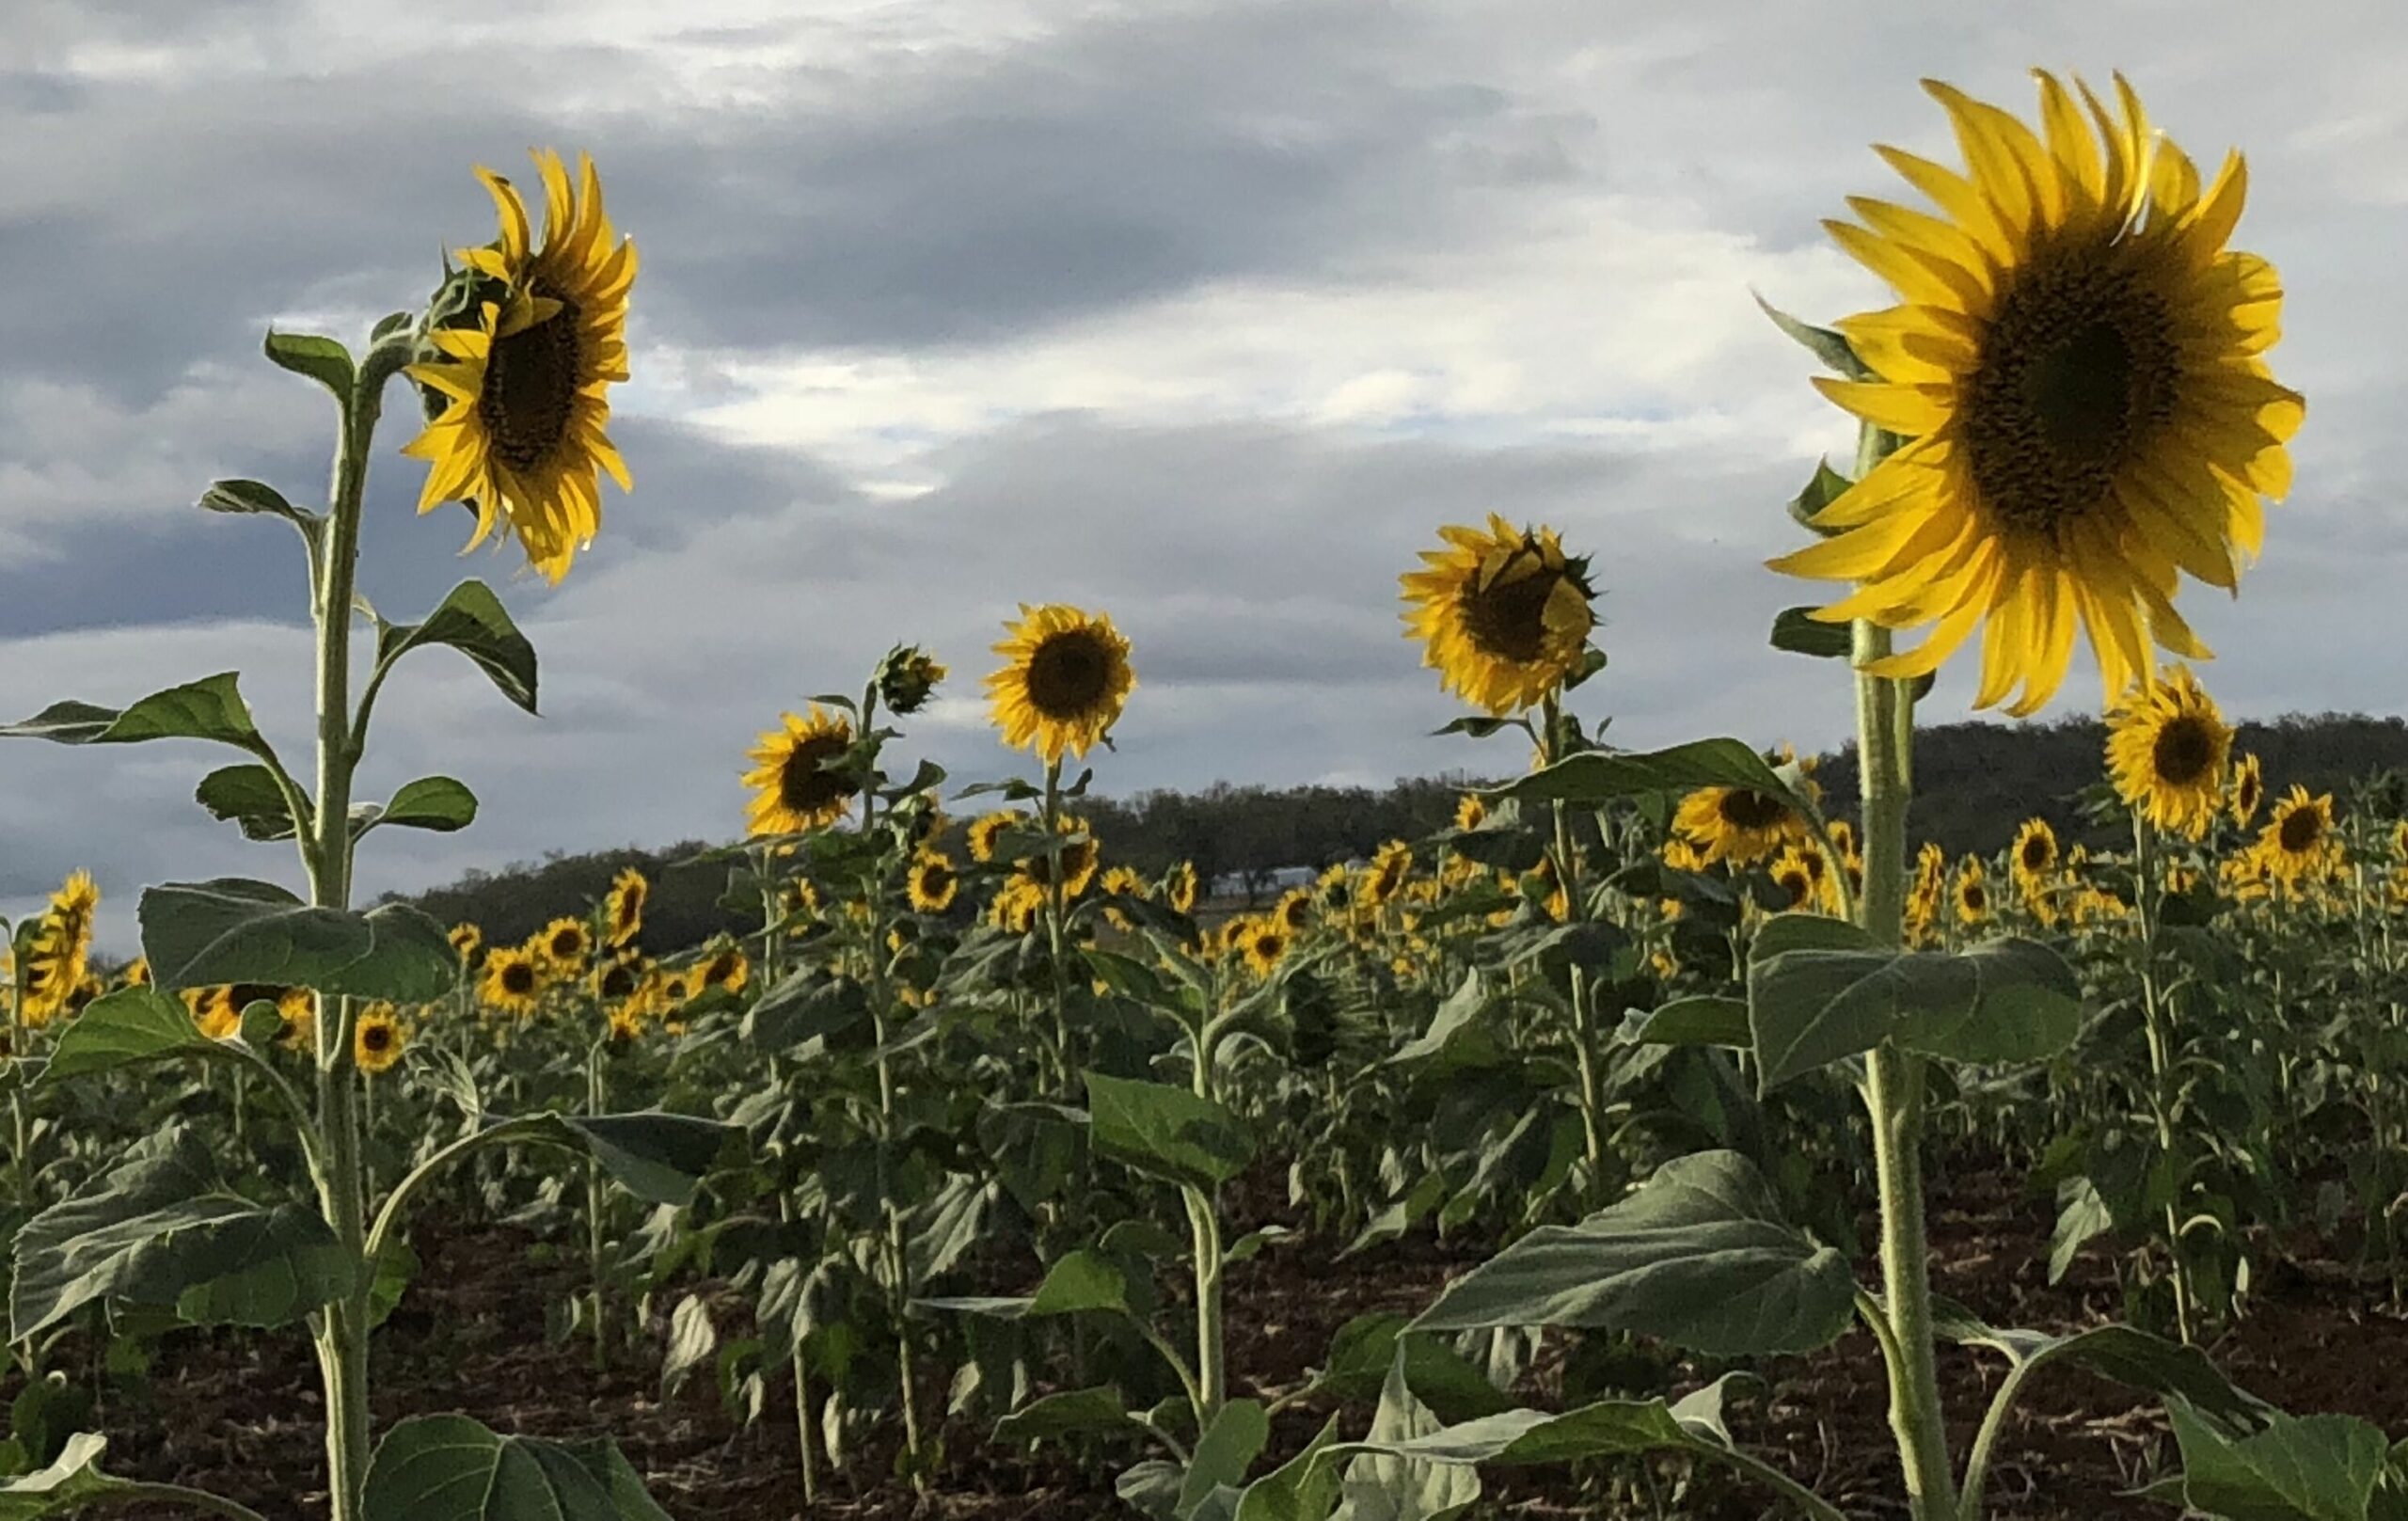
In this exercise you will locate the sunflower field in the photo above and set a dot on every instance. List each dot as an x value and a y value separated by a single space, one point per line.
1667 1137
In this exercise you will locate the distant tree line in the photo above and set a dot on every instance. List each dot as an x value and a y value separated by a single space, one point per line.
1975 784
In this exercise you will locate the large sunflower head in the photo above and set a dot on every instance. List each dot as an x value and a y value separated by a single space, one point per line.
796 784
1502 615
2297 845
2166 745
2077 370
933 882
378 1038
622 907
1066 678
524 385
2248 789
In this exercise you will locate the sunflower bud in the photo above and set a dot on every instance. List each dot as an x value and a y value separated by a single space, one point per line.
905 678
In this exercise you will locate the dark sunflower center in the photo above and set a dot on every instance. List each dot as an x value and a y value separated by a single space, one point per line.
2077 373
1797 884
567 943
720 970
936 881
1507 619
1069 674
377 1039
803 785
518 979
2184 753
1269 947
244 994
631 910
1744 808
1977 897
618 982
2037 854
2301 828
530 388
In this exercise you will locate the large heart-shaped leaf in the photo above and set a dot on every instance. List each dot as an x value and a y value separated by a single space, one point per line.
160 1229
2298 1468
122 1029
230 931
1700 1255
472 620
1167 1132
452 1468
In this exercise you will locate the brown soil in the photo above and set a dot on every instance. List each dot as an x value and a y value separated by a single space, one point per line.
239 1413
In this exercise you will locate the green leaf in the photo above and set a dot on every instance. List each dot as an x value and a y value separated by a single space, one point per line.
431 802
210 708
1167 1132
1817 994
1832 348
806 1006
125 1028
471 619
1462 1009
1070 1413
657 1157
228 930
255 497
1827 487
321 359
66 1487
1304 1488
452 1468
160 1229
2125 1353
1799 632
1226 1449
2299 1468
1699 1256
1082 1281
247 795
1597 776
1701 1020
2082 1212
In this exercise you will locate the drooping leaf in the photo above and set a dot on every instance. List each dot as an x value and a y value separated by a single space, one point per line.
1167 1132
452 1468
657 1157
125 1028
256 497
230 931
1799 632
1596 776
160 1229
210 708
1462 1009
1069 1412
247 795
1701 1020
2125 1353
471 619
1699 1256
1081 1283
71 1483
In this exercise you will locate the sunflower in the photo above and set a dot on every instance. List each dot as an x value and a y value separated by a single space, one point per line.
2248 790
1972 891
377 1039
1543 888
565 944
791 768
1015 906
512 980
2166 745
1179 887
1681 853
525 387
135 973
2032 865
2297 844
907 677
1803 875
616 981
1502 616
1740 825
1263 943
1295 910
1123 881
989 827
622 907
469 944
727 969
668 993
210 1014
1066 677
59 956
2076 368
1471 810
933 882
1384 877
1335 888
1927 894
1078 857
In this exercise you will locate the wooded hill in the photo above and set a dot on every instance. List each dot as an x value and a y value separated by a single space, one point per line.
1975 783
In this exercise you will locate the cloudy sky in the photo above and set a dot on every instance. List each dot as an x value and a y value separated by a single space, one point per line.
1207 315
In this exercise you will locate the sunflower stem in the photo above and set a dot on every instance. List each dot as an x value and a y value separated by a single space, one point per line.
341 1328
773 964
1893 1080
1584 1036
2156 1019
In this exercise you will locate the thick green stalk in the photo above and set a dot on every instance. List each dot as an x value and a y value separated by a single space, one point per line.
1893 1080
1056 912
2155 1017
595 1103
1588 1061
1204 1228
773 971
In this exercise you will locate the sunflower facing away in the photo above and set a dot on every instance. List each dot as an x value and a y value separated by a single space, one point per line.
60 953
988 827
1502 615
1067 679
2297 844
2166 745
469 944
2077 369
796 790
1179 888
525 390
